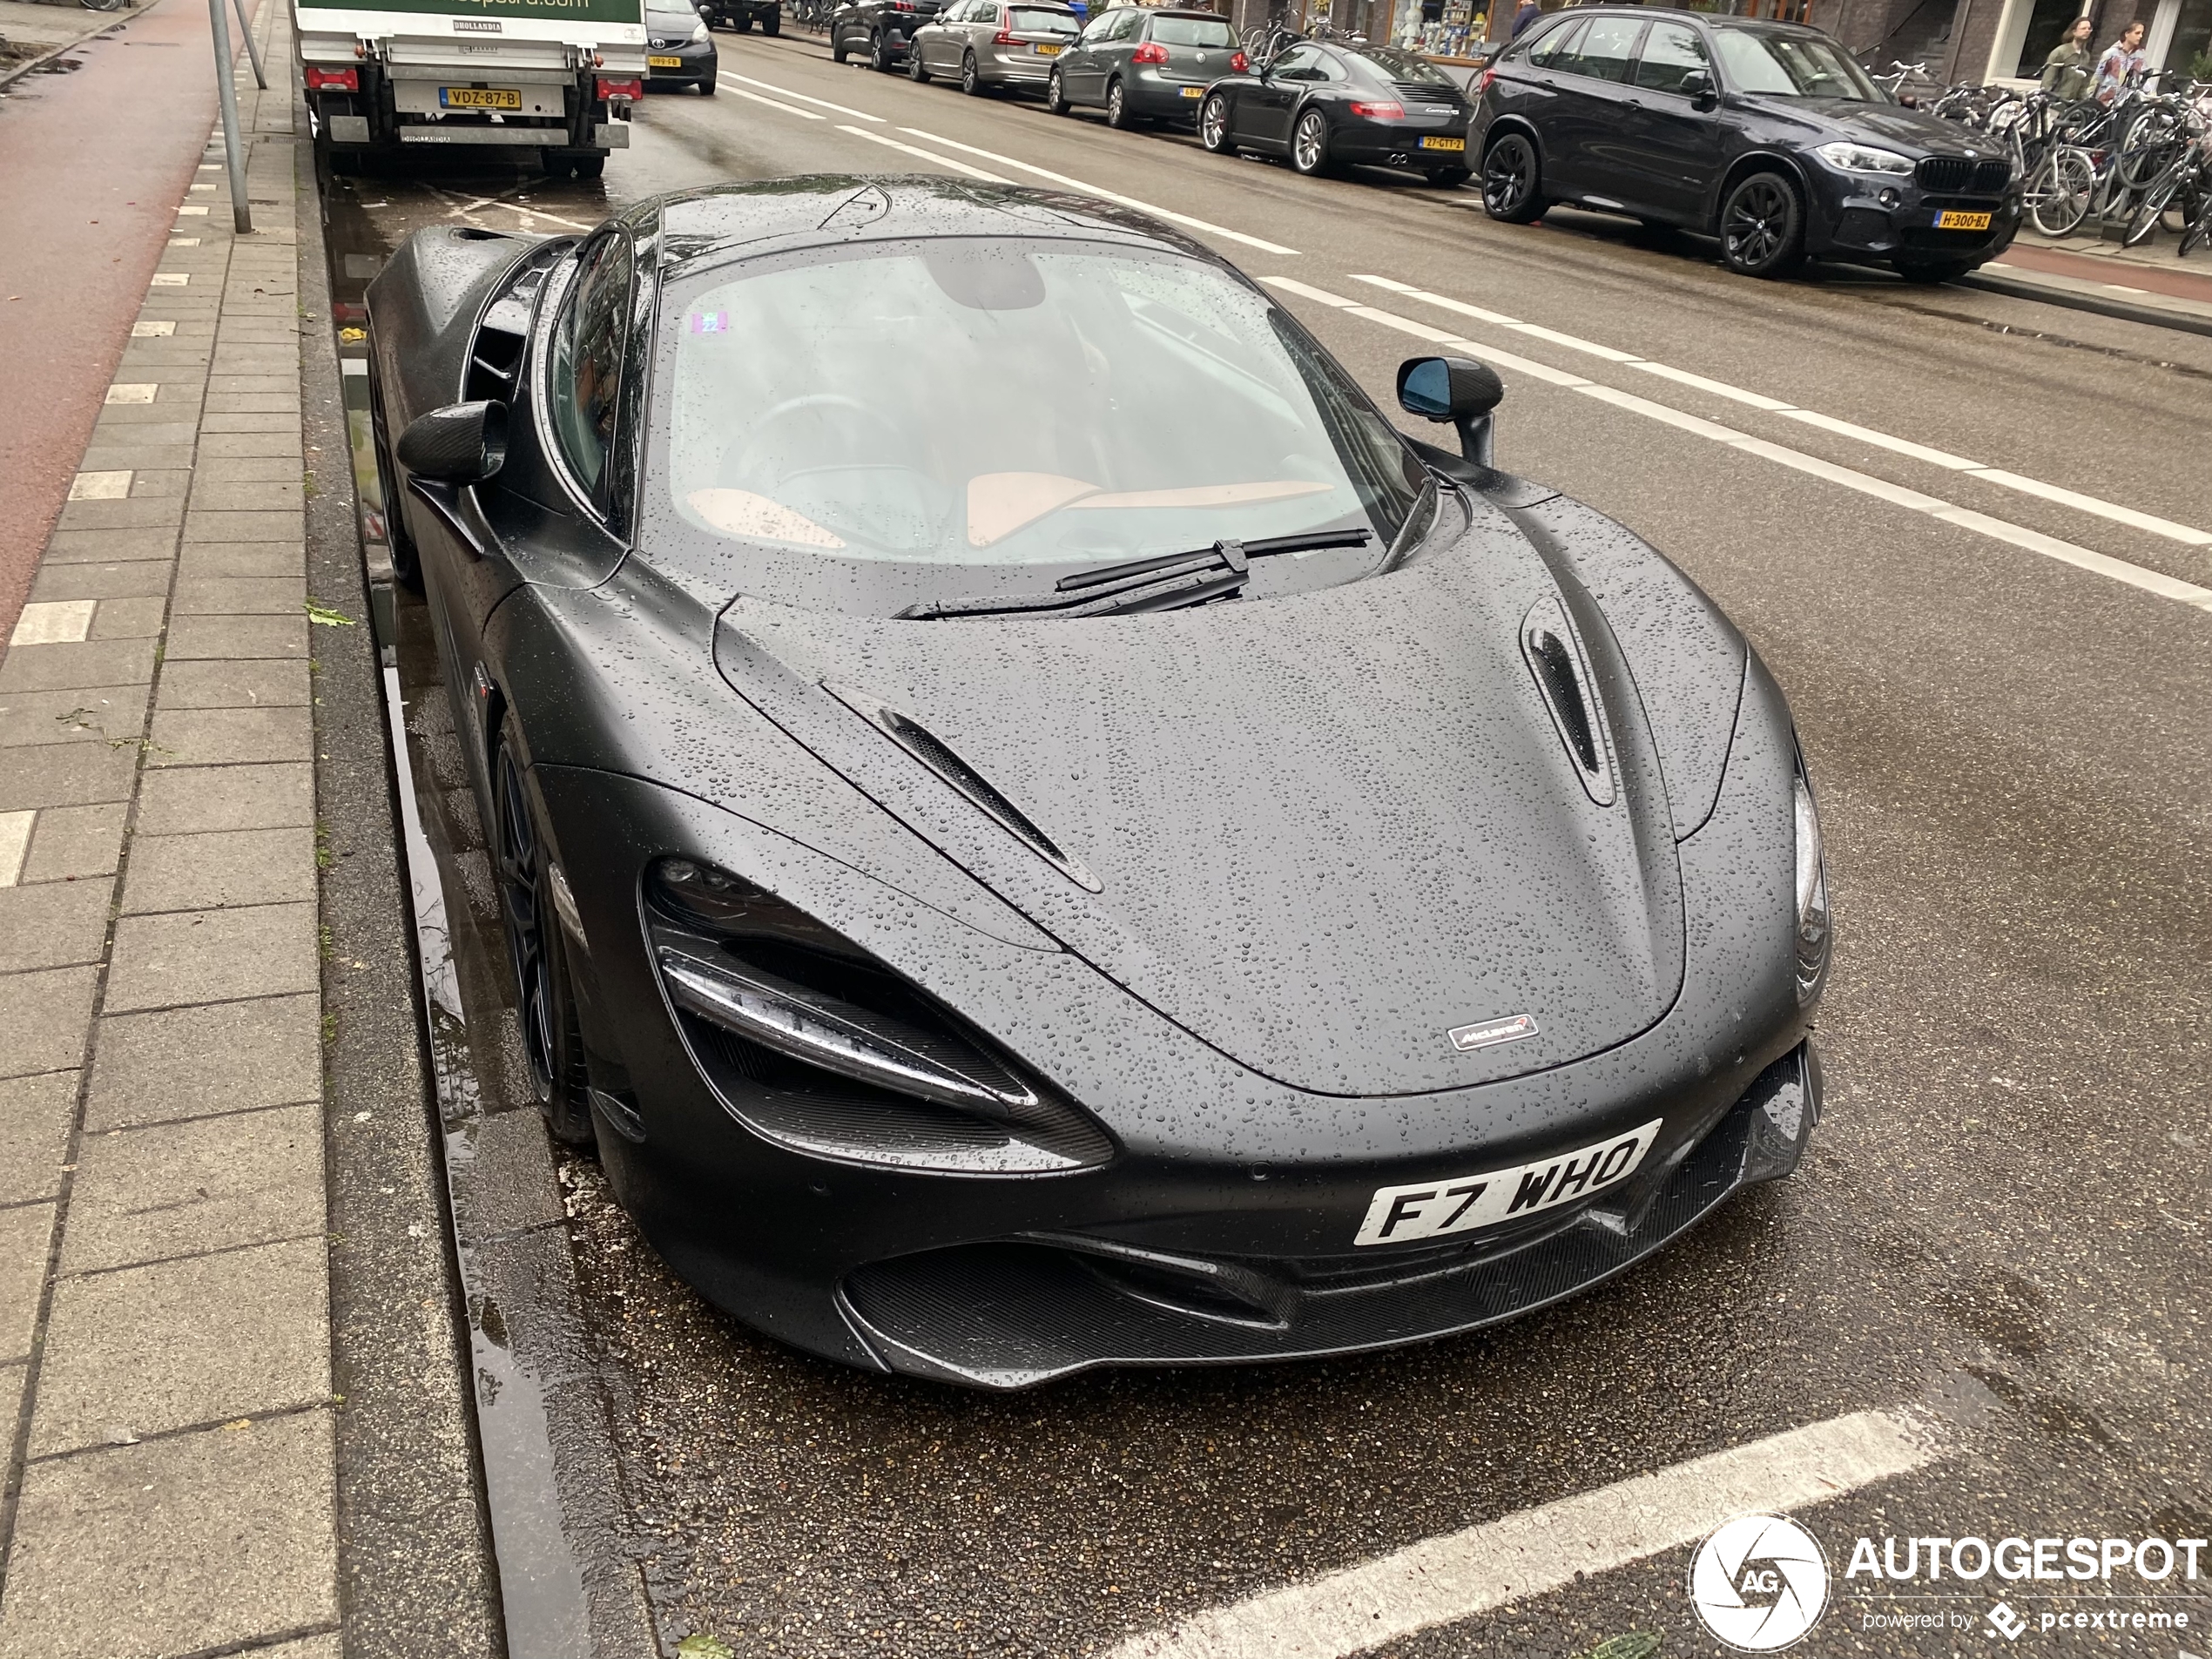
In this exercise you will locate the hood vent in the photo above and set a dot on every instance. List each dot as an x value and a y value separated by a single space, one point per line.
1562 671
935 753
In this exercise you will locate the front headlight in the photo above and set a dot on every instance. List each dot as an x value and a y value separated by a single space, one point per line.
1813 933
1861 158
815 1044
698 31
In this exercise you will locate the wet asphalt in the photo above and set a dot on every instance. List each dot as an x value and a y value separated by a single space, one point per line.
2002 1223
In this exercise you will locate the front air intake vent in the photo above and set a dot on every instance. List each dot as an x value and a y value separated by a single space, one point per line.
1562 668
936 754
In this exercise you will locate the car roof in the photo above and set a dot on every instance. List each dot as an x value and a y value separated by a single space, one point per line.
1714 19
706 225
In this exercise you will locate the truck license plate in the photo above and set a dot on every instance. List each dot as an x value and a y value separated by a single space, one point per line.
1952 219
479 97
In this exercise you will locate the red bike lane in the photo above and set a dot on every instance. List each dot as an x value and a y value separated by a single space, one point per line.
92 166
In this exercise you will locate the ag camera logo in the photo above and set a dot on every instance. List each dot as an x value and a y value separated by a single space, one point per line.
1759 1583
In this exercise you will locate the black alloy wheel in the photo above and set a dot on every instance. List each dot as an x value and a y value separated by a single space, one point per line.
1118 113
1055 96
1510 176
915 71
1762 226
971 80
879 53
538 948
1309 143
1213 126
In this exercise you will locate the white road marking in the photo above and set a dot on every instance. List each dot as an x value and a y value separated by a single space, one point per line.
2135 576
788 109
1210 228
2187 534
171 279
804 98
15 842
942 161
1443 1581
131 392
153 330
101 486
1319 296
53 622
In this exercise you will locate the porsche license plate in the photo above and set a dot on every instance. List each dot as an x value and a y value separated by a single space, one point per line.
479 97
1043 51
1194 92
1444 144
664 62
1432 1208
1952 220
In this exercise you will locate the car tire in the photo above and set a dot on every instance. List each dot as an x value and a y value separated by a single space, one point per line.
971 79
1932 271
1117 110
1762 226
1055 96
879 53
537 951
1512 180
773 24
706 86
1449 178
917 71
837 49
1310 143
1213 126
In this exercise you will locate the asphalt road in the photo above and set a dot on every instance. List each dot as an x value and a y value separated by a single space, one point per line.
2002 1225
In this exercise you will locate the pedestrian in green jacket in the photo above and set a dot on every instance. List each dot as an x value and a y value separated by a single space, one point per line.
2066 71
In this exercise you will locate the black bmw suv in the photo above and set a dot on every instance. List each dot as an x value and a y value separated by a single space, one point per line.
1767 135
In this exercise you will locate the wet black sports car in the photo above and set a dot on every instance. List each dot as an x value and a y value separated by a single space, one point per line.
1038 830
1768 135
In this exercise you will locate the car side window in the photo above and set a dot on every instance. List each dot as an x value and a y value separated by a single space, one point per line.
587 362
1555 49
1099 27
1298 64
1131 23
1608 46
1671 53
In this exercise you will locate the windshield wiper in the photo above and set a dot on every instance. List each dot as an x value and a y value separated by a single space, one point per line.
1166 582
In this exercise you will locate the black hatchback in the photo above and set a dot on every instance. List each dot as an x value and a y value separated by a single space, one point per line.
1767 135
1322 104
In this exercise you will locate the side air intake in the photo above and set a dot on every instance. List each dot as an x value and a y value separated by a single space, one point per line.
1555 656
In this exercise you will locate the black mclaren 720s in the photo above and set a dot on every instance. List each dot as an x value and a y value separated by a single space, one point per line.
1037 830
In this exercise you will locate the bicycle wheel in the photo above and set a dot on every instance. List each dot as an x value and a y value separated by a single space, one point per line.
2059 196
2145 223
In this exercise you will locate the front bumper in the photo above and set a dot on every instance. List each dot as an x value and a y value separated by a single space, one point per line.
696 59
1859 216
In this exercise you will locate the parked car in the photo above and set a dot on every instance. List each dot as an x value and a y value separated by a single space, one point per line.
1141 65
679 49
1324 103
1036 829
1767 135
880 30
985 44
741 15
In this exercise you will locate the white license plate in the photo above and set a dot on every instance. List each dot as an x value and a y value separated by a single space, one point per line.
1432 1208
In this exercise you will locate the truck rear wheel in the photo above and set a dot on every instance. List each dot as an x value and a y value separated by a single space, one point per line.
745 22
773 22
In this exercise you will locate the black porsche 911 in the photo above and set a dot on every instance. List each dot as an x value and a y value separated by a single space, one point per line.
1323 106
1037 830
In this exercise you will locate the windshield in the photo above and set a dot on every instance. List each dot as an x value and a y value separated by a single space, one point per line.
1791 66
1192 31
956 403
672 23
1042 20
1404 66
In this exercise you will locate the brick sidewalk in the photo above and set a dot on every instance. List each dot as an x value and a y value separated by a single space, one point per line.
163 1280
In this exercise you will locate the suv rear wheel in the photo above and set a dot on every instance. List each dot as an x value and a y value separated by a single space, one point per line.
1511 174
879 53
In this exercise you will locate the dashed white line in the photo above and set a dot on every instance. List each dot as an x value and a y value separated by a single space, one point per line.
2151 523
2135 576
1210 228
788 109
942 161
1443 1581
806 98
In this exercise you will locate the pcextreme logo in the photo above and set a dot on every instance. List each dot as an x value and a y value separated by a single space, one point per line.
1759 1583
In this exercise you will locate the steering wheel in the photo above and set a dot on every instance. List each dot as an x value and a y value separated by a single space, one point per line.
895 453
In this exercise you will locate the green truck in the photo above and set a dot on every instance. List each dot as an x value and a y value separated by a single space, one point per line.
554 77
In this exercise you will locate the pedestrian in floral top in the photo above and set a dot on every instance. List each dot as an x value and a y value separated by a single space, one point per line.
2123 62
